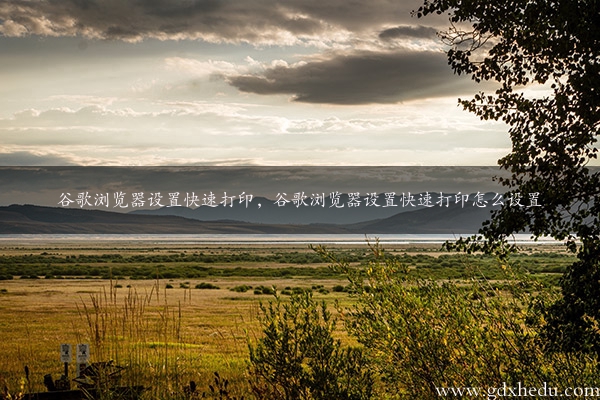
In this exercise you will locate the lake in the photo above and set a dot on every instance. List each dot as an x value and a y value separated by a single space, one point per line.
252 238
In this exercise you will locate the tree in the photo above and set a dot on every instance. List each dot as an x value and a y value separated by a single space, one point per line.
421 336
298 357
554 44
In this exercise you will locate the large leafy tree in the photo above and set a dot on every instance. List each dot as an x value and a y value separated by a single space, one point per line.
555 46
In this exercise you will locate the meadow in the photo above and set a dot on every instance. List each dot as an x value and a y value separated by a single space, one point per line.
178 313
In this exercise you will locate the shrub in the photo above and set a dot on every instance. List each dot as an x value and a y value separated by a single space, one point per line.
422 334
338 288
298 358
300 290
29 277
205 285
241 288
264 290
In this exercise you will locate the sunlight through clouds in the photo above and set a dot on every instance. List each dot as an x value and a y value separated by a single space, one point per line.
211 83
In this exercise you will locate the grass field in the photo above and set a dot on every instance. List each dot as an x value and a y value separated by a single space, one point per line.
140 305
167 324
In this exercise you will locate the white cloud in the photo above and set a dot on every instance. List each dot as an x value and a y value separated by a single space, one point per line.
198 68
11 28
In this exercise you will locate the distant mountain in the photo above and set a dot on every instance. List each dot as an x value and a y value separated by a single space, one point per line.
31 219
270 212
452 219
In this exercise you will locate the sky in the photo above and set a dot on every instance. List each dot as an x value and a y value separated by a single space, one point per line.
233 83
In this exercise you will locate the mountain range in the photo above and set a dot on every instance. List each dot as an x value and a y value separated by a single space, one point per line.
347 210
33 219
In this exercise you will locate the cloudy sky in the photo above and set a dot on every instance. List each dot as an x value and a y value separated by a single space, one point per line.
223 82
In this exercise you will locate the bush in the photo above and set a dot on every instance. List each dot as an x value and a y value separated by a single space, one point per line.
423 334
205 285
241 288
338 288
298 358
264 290
300 290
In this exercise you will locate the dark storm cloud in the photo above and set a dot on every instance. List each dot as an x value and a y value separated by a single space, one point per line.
420 32
235 21
359 78
178 9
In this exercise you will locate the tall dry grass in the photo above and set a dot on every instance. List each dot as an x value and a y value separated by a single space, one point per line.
163 338
143 333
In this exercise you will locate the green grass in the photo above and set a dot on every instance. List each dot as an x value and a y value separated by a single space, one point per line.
183 265
116 300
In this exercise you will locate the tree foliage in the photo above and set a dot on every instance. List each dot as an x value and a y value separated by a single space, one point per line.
298 357
422 335
553 46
